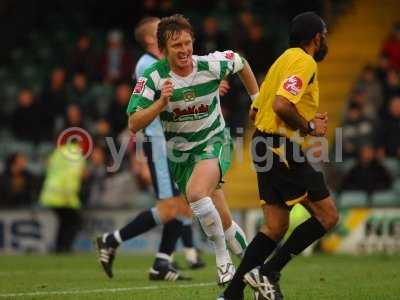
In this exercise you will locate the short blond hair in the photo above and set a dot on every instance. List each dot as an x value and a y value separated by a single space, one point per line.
142 29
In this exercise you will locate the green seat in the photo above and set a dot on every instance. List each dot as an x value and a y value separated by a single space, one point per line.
345 166
396 186
392 164
386 199
26 148
354 198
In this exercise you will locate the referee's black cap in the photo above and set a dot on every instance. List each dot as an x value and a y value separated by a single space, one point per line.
305 26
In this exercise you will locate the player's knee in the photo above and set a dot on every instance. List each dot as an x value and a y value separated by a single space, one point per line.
194 194
275 231
331 219
328 219
168 211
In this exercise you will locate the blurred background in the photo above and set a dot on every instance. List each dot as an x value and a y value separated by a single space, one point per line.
69 64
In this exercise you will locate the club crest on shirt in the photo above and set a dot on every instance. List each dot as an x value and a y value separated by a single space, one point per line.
293 85
140 85
189 95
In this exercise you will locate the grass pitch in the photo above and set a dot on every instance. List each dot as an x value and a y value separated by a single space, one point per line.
80 277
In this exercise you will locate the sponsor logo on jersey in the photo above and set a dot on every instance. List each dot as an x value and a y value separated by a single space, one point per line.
293 85
191 113
229 55
140 85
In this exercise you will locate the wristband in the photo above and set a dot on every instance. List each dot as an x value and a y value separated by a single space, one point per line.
253 97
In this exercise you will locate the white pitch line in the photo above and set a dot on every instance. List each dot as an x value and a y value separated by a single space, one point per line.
115 290
38 272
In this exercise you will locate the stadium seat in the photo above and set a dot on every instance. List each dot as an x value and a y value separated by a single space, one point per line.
354 198
386 199
345 166
396 186
392 164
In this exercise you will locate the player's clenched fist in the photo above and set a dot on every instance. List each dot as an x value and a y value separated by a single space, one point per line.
167 90
321 124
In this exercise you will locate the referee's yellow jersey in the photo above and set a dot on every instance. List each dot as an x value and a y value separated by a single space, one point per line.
293 76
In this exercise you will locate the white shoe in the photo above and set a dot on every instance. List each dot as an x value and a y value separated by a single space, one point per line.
225 273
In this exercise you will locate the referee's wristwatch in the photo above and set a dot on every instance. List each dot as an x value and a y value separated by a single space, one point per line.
311 126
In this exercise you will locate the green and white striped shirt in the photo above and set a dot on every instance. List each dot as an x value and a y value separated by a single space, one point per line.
193 115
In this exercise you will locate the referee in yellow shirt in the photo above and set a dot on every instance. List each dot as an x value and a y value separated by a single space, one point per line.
286 116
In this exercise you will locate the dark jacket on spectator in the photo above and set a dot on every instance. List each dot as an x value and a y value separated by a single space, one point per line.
16 191
388 136
26 123
367 177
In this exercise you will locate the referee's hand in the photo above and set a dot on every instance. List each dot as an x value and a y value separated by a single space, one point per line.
321 124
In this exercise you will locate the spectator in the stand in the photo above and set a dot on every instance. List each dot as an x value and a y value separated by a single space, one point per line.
116 115
166 7
78 91
357 130
60 192
150 8
83 58
382 68
116 62
388 139
368 174
17 184
358 96
26 119
73 117
242 27
371 87
258 51
211 39
53 102
392 47
140 169
95 184
391 88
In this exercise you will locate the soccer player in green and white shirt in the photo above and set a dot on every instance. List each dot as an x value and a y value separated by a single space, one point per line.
182 90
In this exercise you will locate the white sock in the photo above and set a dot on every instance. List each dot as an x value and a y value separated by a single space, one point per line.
164 256
211 223
117 236
190 255
236 239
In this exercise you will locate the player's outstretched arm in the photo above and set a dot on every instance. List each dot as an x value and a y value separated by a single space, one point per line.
142 118
249 81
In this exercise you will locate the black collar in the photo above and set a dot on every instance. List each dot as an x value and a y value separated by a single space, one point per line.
152 55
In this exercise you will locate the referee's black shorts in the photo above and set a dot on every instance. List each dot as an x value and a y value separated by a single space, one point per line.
282 178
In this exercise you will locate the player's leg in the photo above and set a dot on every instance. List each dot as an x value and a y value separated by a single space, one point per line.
276 218
202 183
276 214
146 220
192 255
164 211
323 217
300 184
162 268
234 235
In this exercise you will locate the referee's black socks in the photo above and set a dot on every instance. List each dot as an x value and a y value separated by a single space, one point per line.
303 236
256 253
170 235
